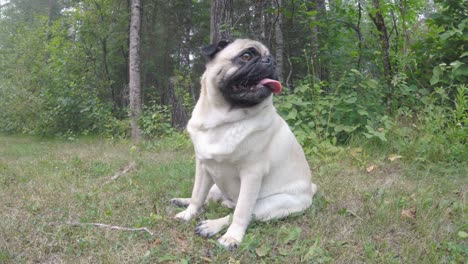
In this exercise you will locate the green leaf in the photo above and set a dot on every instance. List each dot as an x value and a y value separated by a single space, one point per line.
339 128
381 136
287 105
372 83
351 100
362 112
311 252
300 103
462 234
290 234
355 71
370 129
283 251
461 71
370 251
350 129
435 75
446 35
263 250
455 65
292 114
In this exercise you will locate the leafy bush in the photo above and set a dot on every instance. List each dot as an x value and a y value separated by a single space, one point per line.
155 120
69 109
18 110
424 127
435 133
352 107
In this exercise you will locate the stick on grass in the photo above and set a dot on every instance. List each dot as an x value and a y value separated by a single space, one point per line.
122 171
145 229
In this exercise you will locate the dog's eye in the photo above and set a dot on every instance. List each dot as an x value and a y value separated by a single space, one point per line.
246 56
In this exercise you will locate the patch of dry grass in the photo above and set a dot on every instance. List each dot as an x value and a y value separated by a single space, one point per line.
355 218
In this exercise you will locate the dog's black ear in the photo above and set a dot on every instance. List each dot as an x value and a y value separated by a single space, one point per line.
210 51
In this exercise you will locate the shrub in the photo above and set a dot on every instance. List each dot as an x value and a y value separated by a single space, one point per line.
155 120
317 112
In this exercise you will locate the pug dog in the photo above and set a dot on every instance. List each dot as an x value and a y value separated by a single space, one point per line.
247 158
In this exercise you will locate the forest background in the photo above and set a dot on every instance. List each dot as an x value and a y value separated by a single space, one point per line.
358 69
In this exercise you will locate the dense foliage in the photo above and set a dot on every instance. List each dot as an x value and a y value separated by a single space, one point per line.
64 67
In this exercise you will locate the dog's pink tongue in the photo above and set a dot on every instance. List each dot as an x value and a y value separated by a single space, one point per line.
274 85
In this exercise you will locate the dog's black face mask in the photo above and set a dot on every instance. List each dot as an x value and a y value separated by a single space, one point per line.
245 87
255 79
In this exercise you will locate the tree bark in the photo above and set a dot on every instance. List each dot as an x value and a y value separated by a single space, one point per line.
279 42
50 9
359 34
402 7
221 20
319 66
134 70
258 27
51 5
179 115
383 35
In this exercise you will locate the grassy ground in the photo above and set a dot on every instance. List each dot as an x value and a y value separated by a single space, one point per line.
368 209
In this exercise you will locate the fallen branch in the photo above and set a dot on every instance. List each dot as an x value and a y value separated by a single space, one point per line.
145 229
122 171
353 214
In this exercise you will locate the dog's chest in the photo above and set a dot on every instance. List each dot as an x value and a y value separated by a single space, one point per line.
223 143
225 176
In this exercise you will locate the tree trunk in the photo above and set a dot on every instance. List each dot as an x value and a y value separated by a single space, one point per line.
279 42
319 65
359 34
179 115
402 6
107 72
221 20
258 26
50 14
314 56
134 69
383 35
51 5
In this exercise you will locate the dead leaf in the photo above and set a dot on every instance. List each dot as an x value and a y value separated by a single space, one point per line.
233 261
182 244
206 259
409 213
371 168
393 157
356 151
263 250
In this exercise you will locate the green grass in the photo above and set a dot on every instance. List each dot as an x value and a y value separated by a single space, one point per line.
356 216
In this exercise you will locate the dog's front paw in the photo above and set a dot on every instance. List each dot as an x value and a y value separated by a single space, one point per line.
180 202
204 229
186 215
229 242
209 228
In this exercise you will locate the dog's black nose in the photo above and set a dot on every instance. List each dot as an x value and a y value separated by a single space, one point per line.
266 60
